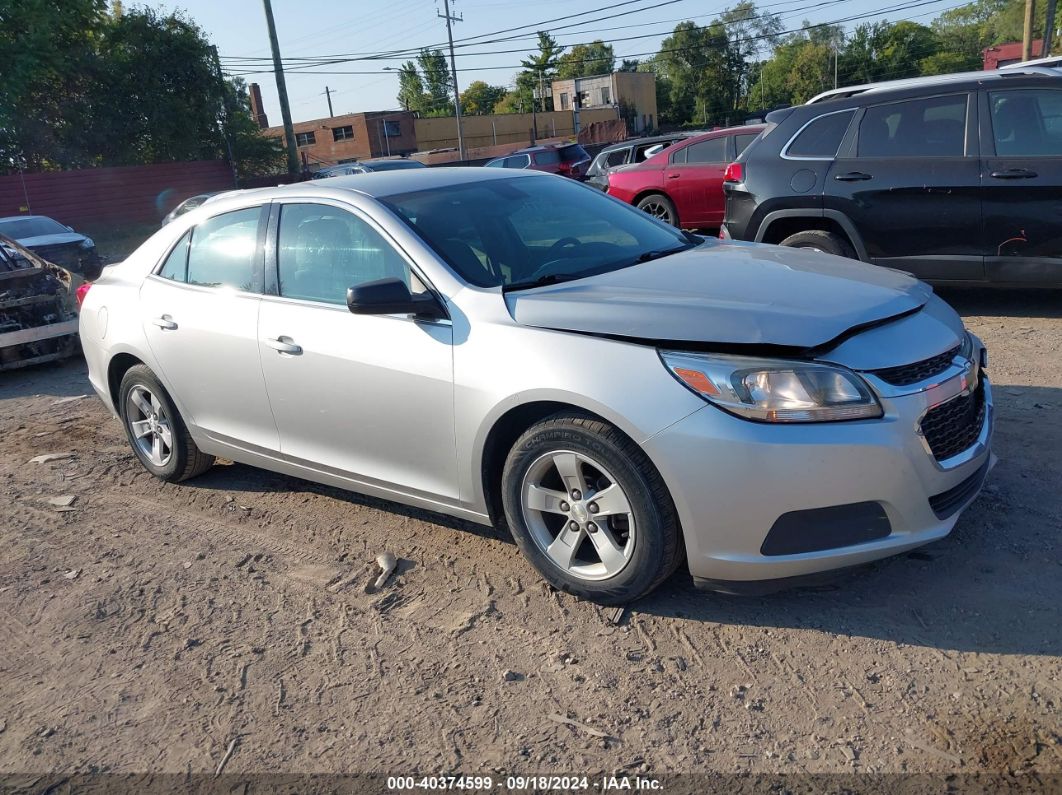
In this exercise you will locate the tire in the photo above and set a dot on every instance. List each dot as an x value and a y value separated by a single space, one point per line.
660 207
820 240
149 418
642 544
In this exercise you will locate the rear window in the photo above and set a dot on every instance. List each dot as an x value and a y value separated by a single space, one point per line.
547 156
17 228
573 154
822 137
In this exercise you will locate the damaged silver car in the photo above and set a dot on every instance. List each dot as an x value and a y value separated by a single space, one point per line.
520 349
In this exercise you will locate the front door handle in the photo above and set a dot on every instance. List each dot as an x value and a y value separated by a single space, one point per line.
673 176
284 345
853 176
165 323
1013 173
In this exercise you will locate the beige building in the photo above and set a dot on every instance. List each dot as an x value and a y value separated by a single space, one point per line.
635 90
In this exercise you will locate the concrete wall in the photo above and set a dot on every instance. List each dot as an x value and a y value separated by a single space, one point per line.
120 195
368 142
510 128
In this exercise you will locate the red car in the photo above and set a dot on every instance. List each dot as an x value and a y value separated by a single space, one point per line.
683 184
569 160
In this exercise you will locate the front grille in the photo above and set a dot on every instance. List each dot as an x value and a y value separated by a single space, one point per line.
908 374
949 502
954 426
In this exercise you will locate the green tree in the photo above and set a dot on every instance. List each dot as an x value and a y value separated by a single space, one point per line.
628 65
480 99
749 31
539 70
695 60
586 60
410 88
438 88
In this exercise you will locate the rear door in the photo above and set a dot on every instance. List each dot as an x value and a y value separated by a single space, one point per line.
200 314
910 182
1021 134
694 180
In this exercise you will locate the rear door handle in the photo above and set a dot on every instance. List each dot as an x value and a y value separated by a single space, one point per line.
853 176
1013 173
284 345
165 323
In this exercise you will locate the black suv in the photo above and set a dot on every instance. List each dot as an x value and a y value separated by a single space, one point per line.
956 178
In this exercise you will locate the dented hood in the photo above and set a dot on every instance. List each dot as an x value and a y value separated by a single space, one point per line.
726 293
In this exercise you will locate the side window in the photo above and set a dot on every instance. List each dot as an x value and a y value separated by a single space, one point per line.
518 161
176 265
932 127
322 250
678 157
1027 122
821 138
222 252
711 151
617 158
741 142
500 163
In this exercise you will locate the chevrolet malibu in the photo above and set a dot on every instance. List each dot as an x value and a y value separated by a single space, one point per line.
520 349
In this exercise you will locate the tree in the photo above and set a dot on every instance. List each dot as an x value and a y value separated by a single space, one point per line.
437 83
539 70
480 99
410 87
585 60
629 65
748 32
695 60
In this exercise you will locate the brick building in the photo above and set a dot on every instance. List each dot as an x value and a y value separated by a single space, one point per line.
351 136
635 91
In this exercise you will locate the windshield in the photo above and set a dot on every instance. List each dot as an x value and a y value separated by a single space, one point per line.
522 231
20 228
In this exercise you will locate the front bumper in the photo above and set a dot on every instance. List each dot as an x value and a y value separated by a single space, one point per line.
732 481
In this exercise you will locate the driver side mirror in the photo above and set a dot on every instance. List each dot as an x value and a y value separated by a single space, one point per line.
392 297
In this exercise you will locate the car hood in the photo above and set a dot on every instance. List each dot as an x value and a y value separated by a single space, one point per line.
726 293
57 239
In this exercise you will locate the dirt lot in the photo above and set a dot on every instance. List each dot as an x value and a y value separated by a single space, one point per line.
148 626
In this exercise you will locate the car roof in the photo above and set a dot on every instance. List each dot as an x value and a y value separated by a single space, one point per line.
747 128
388 183
952 80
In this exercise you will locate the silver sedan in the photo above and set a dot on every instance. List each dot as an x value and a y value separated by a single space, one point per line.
519 349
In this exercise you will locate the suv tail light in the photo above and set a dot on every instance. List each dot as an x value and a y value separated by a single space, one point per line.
81 292
735 172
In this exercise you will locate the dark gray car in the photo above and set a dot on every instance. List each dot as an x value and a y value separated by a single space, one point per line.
634 151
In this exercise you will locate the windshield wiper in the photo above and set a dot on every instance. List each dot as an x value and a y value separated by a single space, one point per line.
542 281
648 256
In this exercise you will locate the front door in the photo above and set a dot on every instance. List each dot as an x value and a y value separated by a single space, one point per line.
1022 185
200 314
694 180
912 187
368 397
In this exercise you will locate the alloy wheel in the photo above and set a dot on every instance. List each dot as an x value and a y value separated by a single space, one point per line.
150 426
659 211
578 515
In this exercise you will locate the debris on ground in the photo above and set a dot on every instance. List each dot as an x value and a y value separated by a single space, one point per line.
70 399
62 501
576 725
225 759
46 457
72 574
387 562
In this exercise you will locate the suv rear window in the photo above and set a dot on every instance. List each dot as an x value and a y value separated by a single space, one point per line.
822 137
931 127
547 156
573 154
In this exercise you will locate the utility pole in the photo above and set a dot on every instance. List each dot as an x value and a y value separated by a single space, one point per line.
328 93
282 91
453 73
1026 36
225 114
1049 29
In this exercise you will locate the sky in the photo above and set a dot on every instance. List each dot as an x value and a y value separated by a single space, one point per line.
313 28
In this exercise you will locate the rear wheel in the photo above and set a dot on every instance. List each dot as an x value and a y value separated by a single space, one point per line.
821 240
589 510
660 207
155 429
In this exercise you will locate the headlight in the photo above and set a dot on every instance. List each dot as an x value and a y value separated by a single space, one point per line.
772 390
87 243
967 347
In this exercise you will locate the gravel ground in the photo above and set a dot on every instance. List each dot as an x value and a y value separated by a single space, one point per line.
146 626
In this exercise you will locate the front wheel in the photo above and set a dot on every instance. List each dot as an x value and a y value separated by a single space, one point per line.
589 510
660 207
